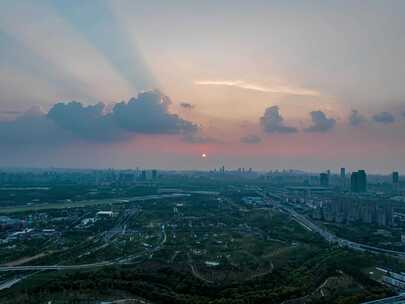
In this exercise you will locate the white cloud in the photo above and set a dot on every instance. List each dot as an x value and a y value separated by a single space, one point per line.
280 89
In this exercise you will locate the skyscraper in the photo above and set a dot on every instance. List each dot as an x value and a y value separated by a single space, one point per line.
342 173
154 174
324 179
358 181
343 178
395 177
395 181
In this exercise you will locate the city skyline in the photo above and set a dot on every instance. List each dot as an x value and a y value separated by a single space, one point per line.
309 86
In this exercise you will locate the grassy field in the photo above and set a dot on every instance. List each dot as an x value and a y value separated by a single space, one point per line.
84 203
66 204
59 205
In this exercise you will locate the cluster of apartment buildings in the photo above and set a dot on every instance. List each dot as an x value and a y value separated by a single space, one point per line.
352 210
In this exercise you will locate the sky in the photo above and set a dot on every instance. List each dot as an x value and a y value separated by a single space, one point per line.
310 85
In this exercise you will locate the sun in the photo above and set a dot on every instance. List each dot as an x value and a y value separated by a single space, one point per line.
203 155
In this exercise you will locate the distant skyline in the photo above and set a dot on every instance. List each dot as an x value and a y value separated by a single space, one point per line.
309 85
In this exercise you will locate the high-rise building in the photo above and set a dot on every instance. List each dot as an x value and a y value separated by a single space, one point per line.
147 175
343 178
363 180
358 181
342 173
395 180
345 210
324 179
395 177
353 182
222 169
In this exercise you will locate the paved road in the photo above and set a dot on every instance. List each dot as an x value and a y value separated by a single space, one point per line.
9 283
164 235
55 267
391 300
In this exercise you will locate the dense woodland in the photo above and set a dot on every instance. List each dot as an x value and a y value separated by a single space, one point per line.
160 283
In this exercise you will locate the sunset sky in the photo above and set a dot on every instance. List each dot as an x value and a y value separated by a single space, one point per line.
310 85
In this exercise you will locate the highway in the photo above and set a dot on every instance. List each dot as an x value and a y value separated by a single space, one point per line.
9 283
328 236
56 267
391 300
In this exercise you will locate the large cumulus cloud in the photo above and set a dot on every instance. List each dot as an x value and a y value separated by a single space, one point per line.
87 122
273 122
32 130
320 122
146 114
